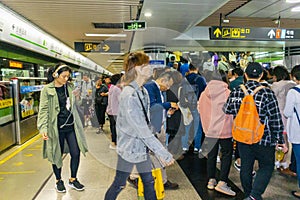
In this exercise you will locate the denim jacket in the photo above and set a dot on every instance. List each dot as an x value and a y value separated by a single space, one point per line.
135 138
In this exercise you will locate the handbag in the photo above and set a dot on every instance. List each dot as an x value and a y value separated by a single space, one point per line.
186 112
158 185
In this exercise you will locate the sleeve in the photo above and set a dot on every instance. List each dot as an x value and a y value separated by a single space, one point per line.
230 106
42 120
289 105
136 118
275 120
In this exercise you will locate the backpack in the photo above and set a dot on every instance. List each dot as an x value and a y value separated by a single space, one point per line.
190 93
247 127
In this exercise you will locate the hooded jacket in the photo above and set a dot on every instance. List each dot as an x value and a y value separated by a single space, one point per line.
215 123
47 123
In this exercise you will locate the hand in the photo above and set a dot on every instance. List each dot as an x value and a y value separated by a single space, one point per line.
285 149
170 163
171 111
45 136
174 105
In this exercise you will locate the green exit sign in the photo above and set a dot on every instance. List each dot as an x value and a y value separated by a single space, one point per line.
134 25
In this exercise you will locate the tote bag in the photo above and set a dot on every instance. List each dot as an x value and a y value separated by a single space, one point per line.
186 112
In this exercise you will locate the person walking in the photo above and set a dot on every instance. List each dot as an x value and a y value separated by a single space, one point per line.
264 150
135 139
59 122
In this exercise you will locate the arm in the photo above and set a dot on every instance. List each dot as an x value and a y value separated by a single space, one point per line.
42 121
289 104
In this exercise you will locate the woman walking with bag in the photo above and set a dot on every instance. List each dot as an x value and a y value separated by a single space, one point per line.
135 138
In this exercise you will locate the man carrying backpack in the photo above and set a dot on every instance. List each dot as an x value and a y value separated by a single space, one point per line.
191 90
255 146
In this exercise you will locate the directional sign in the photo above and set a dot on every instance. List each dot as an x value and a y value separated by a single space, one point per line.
134 25
242 33
103 47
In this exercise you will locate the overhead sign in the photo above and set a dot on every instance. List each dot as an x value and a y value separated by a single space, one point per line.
242 33
103 46
15 64
134 25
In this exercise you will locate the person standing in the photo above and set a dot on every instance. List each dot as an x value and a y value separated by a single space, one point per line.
135 139
292 112
58 122
264 150
86 97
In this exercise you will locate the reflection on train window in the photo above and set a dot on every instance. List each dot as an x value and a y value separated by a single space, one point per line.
6 103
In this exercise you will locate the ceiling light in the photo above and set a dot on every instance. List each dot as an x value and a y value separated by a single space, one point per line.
296 9
104 35
115 61
292 1
148 14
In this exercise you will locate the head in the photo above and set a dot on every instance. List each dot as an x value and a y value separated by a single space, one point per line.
106 80
254 71
136 64
165 81
217 75
60 73
115 78
280 73
296 73
236 72
192 68
86 77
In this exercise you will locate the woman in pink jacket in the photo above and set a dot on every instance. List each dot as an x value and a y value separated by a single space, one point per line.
217 128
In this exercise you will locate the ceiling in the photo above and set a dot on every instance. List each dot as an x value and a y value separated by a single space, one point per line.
69 20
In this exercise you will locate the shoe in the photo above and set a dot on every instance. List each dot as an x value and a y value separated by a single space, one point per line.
171 186
237 166
224 188
253 173
76 185
211 183
296 194
196 151
218 159
287 171
113 147
60 187
133 182
185 150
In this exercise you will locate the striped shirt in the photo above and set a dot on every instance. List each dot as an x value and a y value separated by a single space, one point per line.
267 108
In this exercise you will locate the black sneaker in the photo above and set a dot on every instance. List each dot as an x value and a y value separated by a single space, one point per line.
76 185
60 187
133 182
171 186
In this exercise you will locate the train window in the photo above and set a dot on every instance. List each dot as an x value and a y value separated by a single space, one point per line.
6 102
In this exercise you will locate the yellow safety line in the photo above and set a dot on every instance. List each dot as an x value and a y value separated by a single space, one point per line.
21 172
35 138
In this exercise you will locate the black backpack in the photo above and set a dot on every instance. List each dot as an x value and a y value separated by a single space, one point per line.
190 92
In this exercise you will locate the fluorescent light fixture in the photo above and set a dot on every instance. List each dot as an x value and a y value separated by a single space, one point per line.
115 61
296 9
104 35
292 1
225 20
148 14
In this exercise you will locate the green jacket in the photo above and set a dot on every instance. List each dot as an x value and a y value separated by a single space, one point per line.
47 123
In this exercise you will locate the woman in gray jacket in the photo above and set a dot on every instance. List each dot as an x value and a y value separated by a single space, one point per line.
59 122
135 138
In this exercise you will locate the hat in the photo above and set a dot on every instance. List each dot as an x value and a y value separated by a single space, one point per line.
254 70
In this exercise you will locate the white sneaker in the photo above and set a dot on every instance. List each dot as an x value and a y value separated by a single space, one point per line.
211 183
224 188
113 147
218 159
89 123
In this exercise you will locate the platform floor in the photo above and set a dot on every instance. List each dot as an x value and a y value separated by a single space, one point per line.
25 175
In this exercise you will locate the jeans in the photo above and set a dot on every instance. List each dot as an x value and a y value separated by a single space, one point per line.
226 152
124 169
112 125
196 123
296 149
293 164
70 137
265 155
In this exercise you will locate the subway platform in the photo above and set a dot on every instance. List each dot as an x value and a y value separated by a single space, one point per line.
25 175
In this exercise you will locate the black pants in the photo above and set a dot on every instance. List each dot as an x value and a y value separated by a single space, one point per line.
265 155
71 140
226 152
112 124
100 112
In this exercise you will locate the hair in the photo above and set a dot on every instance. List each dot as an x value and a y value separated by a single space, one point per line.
52 70
238 71
166 76
296 72
192 67
281 73
216 75
115 78
87 75
131 60
176 76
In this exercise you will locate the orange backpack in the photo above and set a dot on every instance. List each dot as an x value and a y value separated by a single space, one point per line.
247 127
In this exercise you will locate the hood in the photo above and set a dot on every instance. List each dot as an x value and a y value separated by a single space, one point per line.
216 89
191 77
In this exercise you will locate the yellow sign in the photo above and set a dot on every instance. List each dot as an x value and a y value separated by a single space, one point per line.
217 32
6 103
27 113
106 47
15 64
231 32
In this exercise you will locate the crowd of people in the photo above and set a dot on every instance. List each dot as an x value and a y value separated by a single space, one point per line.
158 115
